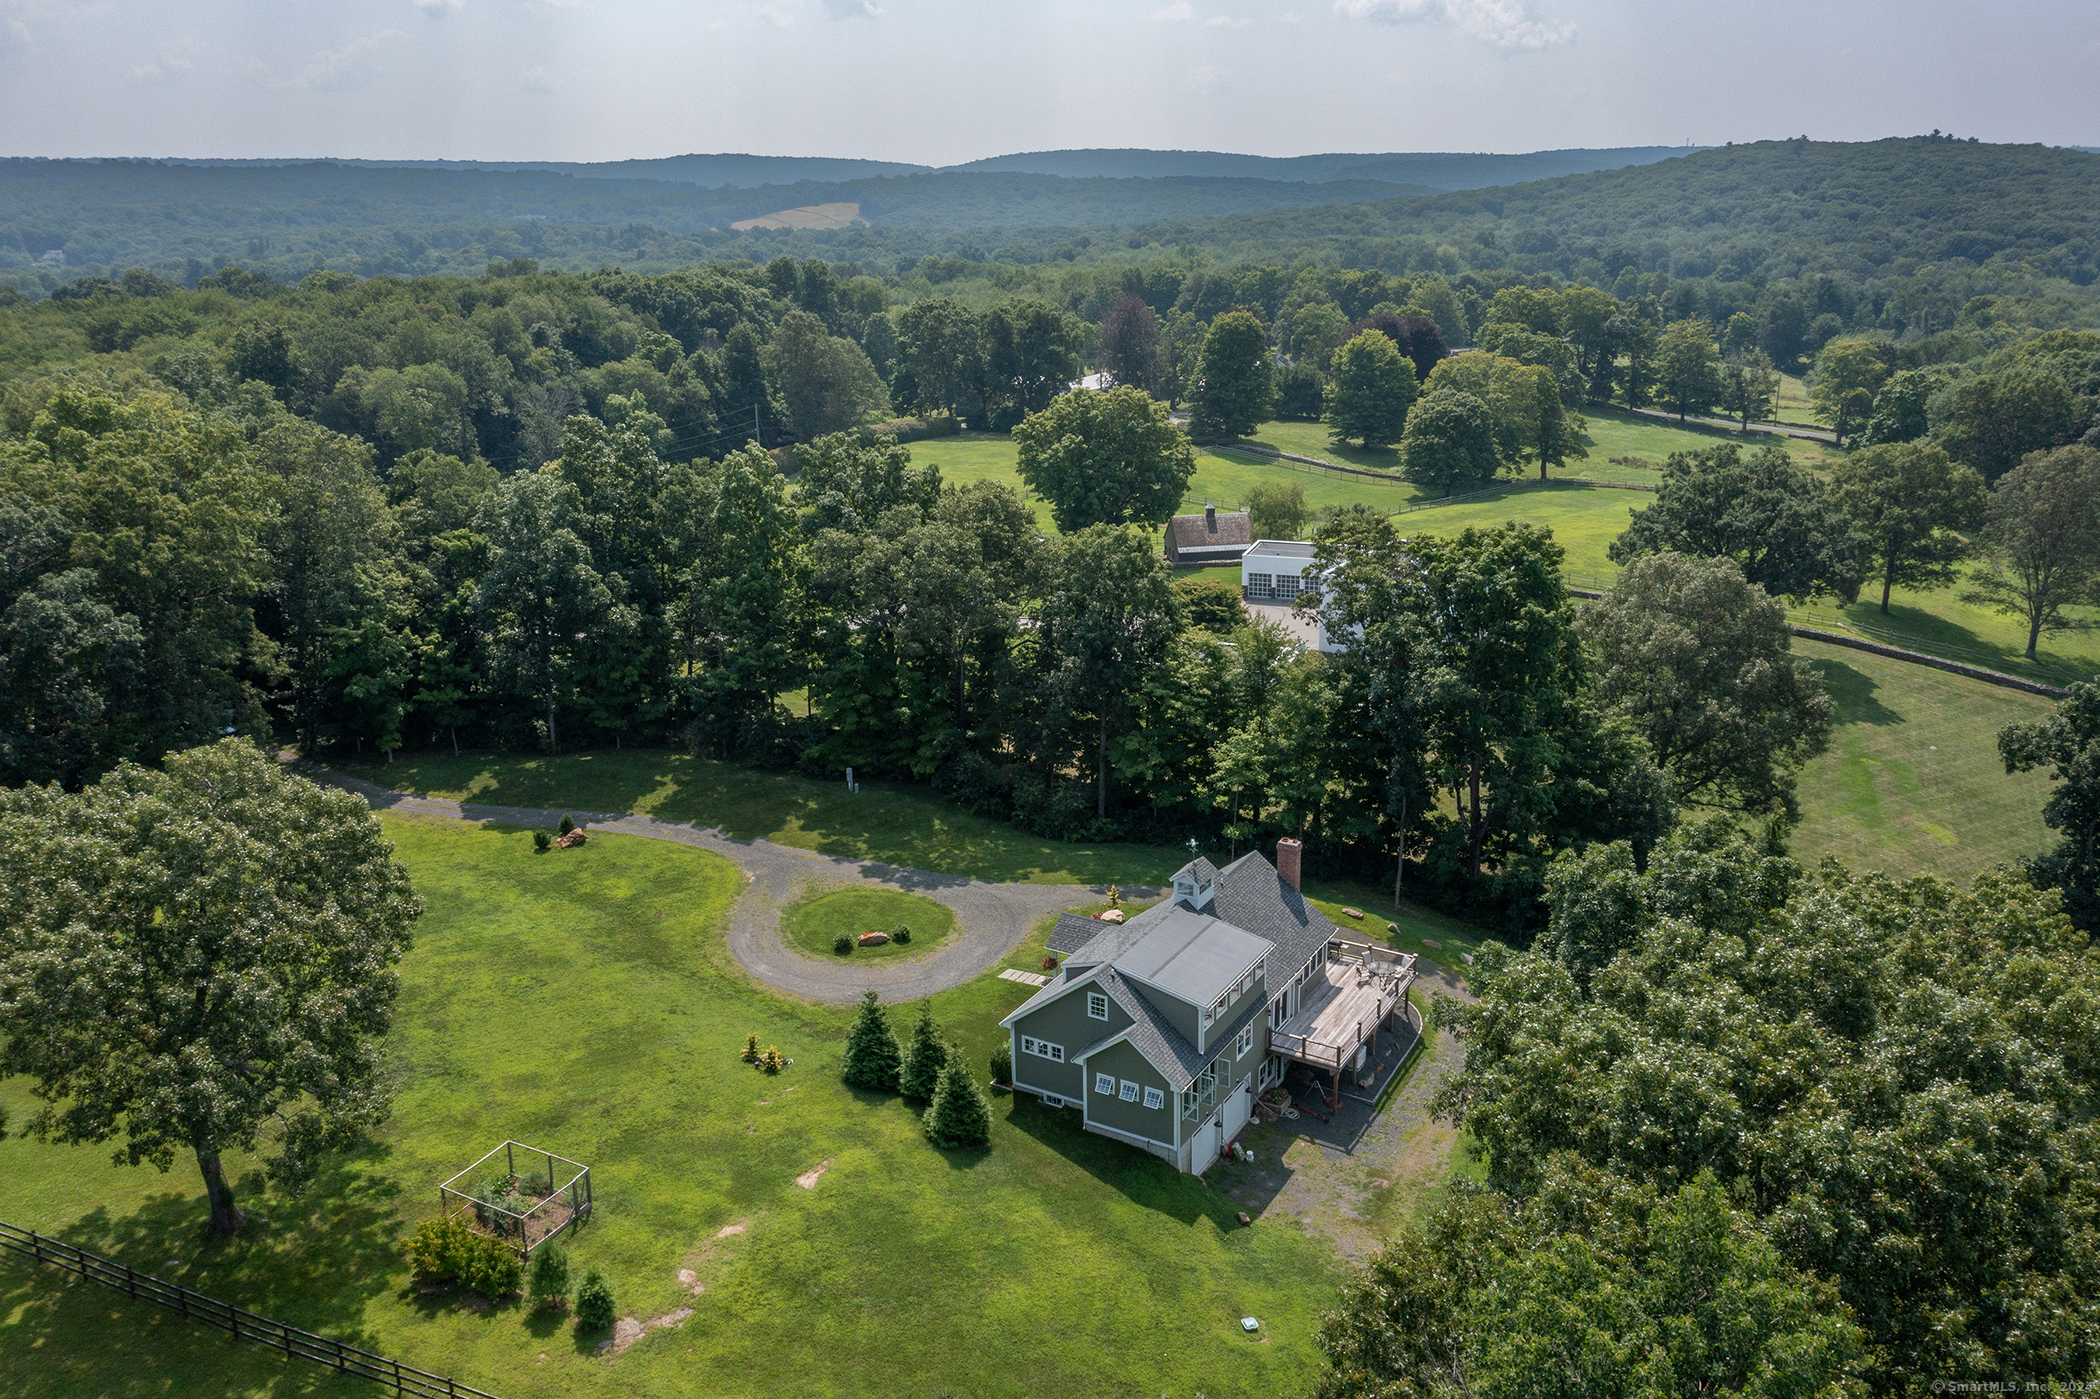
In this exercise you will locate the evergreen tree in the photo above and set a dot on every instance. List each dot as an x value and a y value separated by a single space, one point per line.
873 1059
926 1057
960 1116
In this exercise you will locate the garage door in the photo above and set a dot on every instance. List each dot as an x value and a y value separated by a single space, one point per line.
1206 1144
1238 1108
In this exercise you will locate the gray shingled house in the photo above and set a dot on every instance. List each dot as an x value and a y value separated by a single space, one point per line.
1163 1030
1209 537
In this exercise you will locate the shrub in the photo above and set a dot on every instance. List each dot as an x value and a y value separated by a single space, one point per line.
1050 962
873 1058
566 825
960 1116
492 1267
1003 1062
774 1061
594 1302
903 934
550 1276
437 1248
842 944
925 1059
750 1054
542 841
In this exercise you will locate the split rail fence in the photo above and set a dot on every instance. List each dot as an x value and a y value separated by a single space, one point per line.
243 1325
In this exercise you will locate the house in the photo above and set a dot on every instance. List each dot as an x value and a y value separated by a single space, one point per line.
1209 537
1272 574
1162 1030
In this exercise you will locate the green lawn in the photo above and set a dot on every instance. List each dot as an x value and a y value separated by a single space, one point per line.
589 1005
895 824
1912 783
815 921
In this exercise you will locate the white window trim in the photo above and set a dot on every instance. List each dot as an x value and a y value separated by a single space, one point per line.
1104 1083
1129 1093
1246 1042
1155 1099
1043 1049
1097 998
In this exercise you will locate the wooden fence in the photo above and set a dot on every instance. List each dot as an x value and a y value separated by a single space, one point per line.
243 1325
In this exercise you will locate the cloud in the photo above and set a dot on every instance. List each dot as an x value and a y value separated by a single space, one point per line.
853 9
536 79
1503 23
775 16
430 7
334 61
1180 13
1200 78
1226 22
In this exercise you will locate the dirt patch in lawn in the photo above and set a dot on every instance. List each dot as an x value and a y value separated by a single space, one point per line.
809 1178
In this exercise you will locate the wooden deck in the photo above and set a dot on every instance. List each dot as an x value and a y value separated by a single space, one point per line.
1342 1010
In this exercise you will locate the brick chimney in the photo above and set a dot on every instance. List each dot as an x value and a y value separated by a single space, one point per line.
1210 518
1287 852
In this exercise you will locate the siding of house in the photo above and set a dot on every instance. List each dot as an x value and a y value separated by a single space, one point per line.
1124 1061
1234 1009
1063 1021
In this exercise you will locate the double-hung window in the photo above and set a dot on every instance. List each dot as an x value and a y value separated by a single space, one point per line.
1246 1042
1129 1093
1055 1053
1105 1083
1097 1005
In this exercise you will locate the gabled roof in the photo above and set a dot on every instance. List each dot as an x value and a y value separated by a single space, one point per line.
1074 932
1163 1046
1250 894
1235 530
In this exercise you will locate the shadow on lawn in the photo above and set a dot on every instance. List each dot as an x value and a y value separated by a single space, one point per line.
1143 1178
314 1262
1852 690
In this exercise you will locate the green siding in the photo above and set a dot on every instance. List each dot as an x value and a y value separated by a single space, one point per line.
1063 1021
1124 1061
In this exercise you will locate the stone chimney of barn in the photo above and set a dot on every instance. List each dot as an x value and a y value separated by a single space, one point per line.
1288 852
1210 518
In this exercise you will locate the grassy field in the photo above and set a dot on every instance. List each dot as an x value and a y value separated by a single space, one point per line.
1912 783
894 824
589 1005
815 921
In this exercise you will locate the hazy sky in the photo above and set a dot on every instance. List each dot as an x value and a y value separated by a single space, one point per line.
940 81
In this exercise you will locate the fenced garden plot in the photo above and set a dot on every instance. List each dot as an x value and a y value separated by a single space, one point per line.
527 1210
294 1342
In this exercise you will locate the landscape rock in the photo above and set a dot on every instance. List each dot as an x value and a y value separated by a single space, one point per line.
873 939
1353 913
571 840
1113 915
1245 1218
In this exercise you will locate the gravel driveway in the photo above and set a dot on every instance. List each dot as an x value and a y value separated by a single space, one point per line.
991 919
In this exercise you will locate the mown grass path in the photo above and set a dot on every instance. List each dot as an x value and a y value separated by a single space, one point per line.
992 919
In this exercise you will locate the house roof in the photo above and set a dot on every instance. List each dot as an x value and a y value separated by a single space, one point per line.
1234 531
1280 549
1192 955
1251 907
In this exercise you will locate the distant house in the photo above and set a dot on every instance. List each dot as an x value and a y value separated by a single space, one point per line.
1272 574
1163 1030
1209 537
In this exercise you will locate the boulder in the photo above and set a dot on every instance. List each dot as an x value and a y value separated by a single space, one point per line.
572 839
1113 915
1353 913
873 939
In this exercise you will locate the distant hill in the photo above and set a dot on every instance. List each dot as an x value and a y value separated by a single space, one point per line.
1430 171
709 171
1427 170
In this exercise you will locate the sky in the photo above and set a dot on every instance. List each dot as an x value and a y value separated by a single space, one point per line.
944 81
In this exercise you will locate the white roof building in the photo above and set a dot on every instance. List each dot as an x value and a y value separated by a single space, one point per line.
1272 574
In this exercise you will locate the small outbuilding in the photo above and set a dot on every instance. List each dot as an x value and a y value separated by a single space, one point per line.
1209 537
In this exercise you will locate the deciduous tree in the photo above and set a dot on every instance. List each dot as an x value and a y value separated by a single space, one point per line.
2041 541
1759 508
1133 351
1105 458
1910 502
1235 380
1848 374
1687 368
1698 660
1450 441
194 954
1374 386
